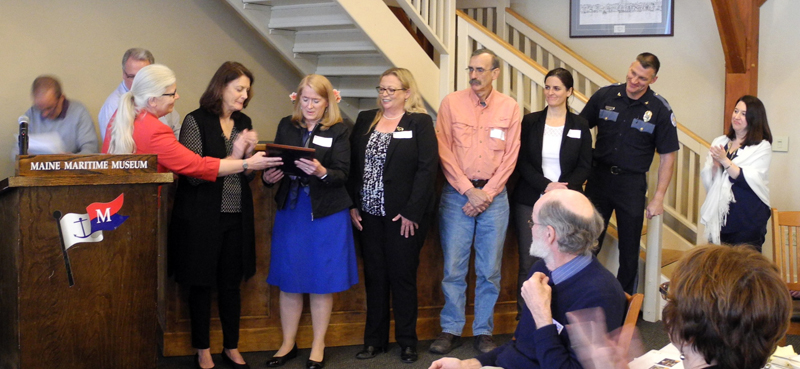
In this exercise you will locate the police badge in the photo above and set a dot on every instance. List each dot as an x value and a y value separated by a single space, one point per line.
647 115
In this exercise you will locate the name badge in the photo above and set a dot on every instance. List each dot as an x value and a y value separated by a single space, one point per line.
497 133
402 134
574 133
322 141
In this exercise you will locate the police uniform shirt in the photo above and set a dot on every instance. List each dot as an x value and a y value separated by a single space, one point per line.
628 131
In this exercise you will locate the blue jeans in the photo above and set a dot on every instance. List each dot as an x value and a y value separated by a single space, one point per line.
457 231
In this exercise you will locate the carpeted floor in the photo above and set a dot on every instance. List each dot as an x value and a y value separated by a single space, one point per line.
652 336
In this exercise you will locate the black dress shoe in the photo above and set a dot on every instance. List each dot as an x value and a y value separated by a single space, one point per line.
227 359
197 362
408 355
277 361
369 352
311 364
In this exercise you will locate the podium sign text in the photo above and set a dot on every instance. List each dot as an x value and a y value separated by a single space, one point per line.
66 165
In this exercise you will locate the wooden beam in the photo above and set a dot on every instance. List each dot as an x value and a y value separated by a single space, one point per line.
731 34
738 24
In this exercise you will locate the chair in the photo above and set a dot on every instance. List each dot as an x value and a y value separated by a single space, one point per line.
786 255
629 325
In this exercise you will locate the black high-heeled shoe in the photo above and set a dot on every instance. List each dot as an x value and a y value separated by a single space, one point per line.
311 364
227 359
277 361
197 362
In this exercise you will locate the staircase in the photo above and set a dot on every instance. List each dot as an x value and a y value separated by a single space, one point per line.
524 46
353 41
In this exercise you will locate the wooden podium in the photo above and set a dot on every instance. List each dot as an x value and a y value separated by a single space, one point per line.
107 317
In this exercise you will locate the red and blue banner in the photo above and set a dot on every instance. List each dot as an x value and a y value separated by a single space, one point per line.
103 215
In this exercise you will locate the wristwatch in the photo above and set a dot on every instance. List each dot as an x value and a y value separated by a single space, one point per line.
244 164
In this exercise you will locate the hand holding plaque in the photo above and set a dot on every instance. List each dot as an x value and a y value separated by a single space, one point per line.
291 155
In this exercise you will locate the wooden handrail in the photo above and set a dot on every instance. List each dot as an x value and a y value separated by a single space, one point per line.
693 135
584 61
502 42
559 44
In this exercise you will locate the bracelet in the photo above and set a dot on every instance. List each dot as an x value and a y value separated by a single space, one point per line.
726 168
323 177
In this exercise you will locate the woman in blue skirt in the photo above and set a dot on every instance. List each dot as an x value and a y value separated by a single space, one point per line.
312 241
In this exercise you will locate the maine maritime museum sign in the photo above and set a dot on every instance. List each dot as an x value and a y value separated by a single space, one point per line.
44 165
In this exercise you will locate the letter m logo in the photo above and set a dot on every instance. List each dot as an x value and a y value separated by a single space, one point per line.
103 217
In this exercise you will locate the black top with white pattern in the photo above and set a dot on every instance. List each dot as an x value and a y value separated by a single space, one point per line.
372 188
232 186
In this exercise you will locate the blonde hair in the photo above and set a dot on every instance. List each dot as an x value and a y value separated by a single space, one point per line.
322 86
414 102
151 81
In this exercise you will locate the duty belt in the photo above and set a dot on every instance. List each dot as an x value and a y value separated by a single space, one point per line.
613 169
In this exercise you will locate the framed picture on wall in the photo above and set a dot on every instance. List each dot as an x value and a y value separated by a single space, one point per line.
621 18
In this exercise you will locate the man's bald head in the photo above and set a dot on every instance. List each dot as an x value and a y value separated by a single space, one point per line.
573 217
47 96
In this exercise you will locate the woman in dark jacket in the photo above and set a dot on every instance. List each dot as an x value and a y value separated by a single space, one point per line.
312 241
555 153
394 156
212 230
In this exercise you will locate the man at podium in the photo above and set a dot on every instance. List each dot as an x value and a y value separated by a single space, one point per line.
58 125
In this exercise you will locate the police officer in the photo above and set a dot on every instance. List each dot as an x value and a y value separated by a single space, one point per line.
632 122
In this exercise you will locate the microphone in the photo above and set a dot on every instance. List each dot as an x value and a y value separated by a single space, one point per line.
23 134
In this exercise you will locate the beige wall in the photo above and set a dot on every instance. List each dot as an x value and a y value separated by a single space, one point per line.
692 75
82 42
778 80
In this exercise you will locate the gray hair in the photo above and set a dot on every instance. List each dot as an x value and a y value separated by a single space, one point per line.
577 235
138 53
150 82
495 59
46 83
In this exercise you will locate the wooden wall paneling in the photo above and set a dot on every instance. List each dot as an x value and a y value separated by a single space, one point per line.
260 324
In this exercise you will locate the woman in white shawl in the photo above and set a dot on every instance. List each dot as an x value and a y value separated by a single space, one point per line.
737 209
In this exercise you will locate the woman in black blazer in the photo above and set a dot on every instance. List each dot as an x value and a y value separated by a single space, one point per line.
555 153
394 156
312 247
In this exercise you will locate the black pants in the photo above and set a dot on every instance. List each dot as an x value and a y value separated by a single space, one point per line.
624 194
390 267
229 277
522 214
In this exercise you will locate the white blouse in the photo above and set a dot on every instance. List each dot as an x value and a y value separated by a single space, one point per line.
551 148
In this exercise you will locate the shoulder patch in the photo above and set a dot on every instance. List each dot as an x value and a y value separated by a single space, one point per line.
663 101
672 119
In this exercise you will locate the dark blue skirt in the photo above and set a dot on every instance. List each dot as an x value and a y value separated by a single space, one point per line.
312 256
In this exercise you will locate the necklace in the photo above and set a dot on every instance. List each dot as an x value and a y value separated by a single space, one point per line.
393 118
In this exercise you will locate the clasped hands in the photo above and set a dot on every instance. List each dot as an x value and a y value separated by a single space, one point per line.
407 226
244 148
720 156
478 201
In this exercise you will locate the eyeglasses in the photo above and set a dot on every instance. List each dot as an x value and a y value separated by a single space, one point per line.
389 90
531 223
478 70
172 94
664 288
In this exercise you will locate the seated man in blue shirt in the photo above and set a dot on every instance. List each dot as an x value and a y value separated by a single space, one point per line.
66 123
565 227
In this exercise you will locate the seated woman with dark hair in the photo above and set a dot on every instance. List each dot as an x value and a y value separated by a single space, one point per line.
727 307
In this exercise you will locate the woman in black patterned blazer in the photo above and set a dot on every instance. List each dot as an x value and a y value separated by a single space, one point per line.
555 153
394 158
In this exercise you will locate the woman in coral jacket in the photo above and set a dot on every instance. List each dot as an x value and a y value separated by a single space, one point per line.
198 263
